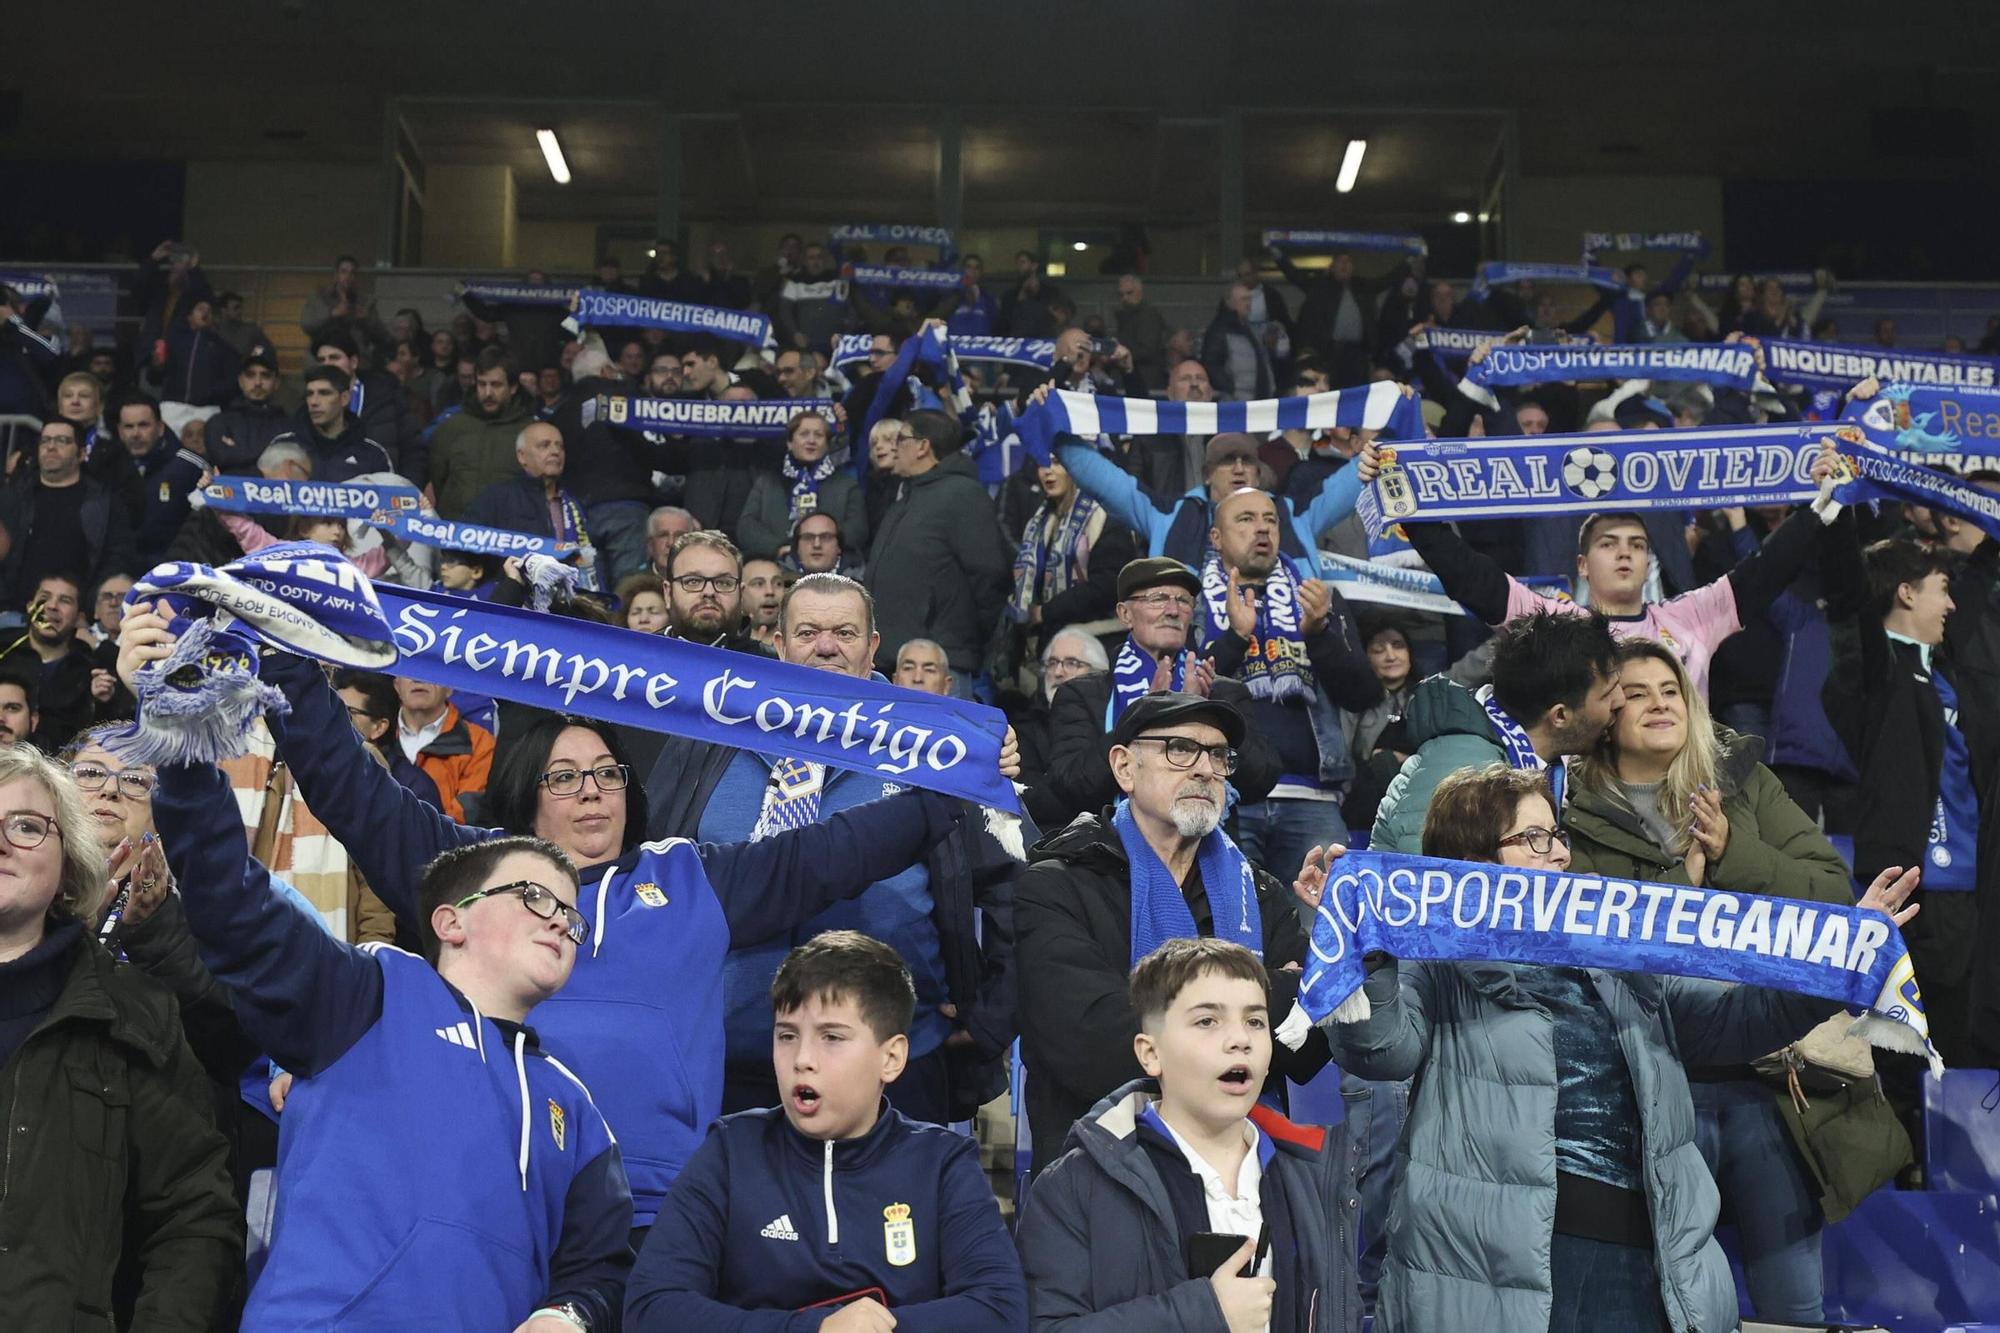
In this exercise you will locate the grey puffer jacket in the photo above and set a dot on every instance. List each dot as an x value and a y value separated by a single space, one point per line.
1469 1231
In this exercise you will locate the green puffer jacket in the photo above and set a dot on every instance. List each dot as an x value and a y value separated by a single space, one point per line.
1449 730
1774 849
472 451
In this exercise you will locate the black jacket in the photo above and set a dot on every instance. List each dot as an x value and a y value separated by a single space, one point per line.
1078 771
603 464
1073 951
938 567
107 534
519 504
112 1151
972 892
348 455
64 702
238 434
170 473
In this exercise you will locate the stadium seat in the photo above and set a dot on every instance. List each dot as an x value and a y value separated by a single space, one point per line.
1914 1260
1962 1131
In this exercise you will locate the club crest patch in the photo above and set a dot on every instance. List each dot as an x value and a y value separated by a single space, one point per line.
899 1235
650 894
558 1126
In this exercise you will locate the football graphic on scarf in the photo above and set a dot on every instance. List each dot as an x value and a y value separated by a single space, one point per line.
1588 473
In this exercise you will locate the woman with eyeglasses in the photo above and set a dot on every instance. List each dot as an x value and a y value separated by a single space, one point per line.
1550 1177
641 1022
814 479
1670 797
112 1156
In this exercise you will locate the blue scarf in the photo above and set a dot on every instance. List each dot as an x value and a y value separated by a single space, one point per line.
928 279
1453 346
707 418
1132 679
1275 666
1731 364
1500 272
1406 243
1160 912
446 534
1831 366
253 495
1918 419
1380 407
1521 750
31 286
501 292
1401 586
1053 555
624 310
1417 907
851 349
803 498
886 233
1631 242
928 346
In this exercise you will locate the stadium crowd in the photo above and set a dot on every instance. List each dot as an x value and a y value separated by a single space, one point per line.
716 1017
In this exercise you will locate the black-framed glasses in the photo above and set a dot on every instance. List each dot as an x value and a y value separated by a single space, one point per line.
539 899
1181 752
1539 840
569 781
1076 664
132 782
692 584
27 830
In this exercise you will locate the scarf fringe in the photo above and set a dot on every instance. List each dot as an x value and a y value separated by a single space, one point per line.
1890 1035
550 581
1356 1008
1006 829
202 720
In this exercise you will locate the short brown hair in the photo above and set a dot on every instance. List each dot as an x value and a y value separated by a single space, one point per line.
1471 809
847 965
704 537
1587 533
1164 973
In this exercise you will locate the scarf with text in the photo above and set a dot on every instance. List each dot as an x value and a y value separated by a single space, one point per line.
1731 364
1500 272
31 286
1425 908
1132 678
397 510
707 418
1833 366
1379 407
1160 911
929 346
502 292
803 496
1921 419
1054 554
1040 353
625 310
1453 346
925 279
1632 242
1394 242
1275 665
885 233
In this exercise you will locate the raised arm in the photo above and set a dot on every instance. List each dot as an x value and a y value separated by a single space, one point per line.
1469 578
1760 576
1335 501
770 885
1108 484
303 995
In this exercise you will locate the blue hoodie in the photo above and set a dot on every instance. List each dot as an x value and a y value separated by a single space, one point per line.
765 1221
421 1138
641 1018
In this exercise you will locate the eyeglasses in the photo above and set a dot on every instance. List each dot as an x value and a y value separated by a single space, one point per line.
27 830
1158 601
132 782
880 353
694 583
539 900
569 781
1539 840
908 437
1068 664
1182 752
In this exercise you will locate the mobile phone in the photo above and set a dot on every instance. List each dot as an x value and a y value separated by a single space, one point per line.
1104 346
1540 336
1210 1250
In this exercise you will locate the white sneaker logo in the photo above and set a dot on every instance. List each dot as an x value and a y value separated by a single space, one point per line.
779 1228
459 1035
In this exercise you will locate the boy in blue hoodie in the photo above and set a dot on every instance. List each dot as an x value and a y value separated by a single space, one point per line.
1109 1233
436 1169
831 1212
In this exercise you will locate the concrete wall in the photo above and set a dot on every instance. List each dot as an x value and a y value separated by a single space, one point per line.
283 212
469 217
1551 213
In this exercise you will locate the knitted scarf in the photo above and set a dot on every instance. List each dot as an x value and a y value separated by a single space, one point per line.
1275 667
1160 912
1055 552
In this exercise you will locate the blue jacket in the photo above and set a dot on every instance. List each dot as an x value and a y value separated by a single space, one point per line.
519 504
641 1017
170 473
1180 529
765 1220
1800 733
421 1136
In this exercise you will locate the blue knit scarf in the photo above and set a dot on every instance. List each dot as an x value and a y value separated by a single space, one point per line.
1160 912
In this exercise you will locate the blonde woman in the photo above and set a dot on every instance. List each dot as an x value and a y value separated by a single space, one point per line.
1669 796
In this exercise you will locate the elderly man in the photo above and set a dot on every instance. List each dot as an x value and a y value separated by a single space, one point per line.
1158 601
1068 655
930 912
921 665
1108 889
665 526
534 501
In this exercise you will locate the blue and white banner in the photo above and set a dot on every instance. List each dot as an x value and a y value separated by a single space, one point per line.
1920 419
501 292
1632 242
1833 366
1523 476
929 346
443 533
685 689
1378 407
1406 587
31 286
1882 475
1500 272
883 233
929 279
1394 242
763 418
624 310
350 499
852 349
1730 364
1454 346
1424 908
1791 281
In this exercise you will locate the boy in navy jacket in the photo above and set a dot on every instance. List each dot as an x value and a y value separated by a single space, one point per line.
436 1169
831 1212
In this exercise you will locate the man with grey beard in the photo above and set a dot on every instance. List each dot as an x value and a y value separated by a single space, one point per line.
1108 889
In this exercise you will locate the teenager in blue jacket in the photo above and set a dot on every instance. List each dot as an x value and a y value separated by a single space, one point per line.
435 1165
641 1021
831 1211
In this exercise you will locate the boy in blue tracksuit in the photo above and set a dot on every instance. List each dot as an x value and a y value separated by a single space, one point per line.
641 1021
435 1168
831 1211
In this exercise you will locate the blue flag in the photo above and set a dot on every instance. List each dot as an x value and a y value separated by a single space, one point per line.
1381 406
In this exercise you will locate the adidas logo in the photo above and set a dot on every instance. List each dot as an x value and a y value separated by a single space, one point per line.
459 1035
779 1229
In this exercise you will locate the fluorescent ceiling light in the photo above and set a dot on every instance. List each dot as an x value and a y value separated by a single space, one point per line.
552 153
1081 245
1461 216
1350 165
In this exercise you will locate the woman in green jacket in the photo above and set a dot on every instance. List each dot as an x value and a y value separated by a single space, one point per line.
815 479
1669 797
